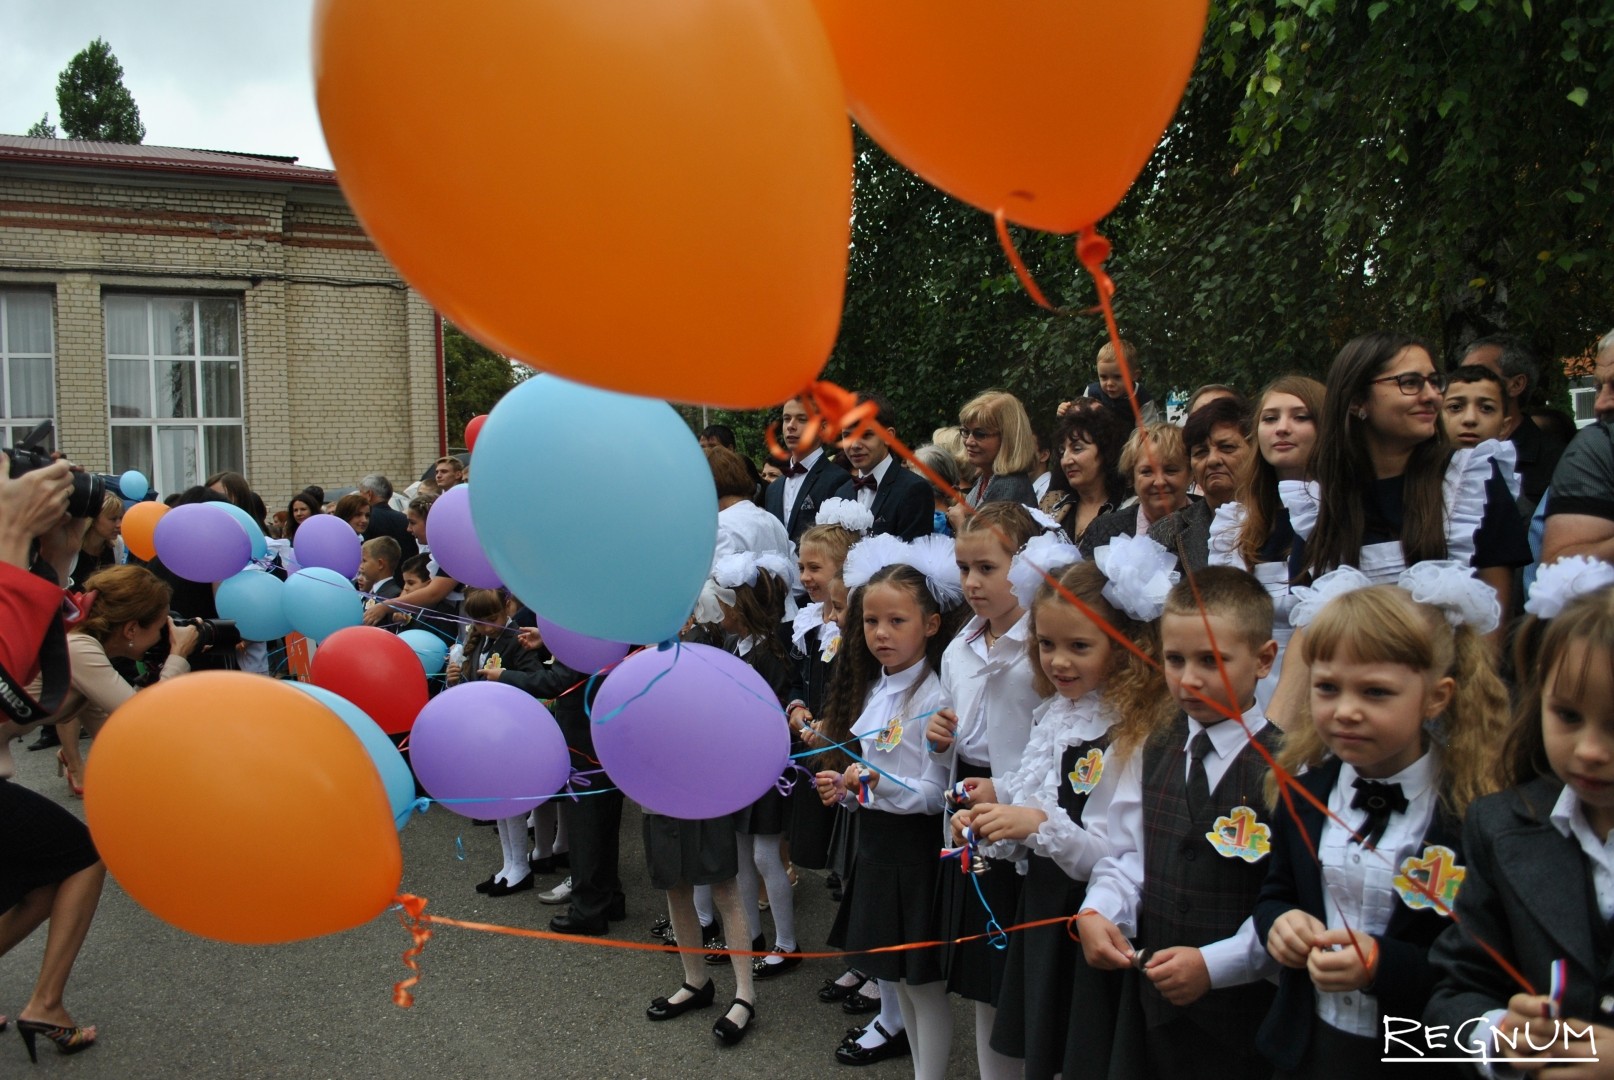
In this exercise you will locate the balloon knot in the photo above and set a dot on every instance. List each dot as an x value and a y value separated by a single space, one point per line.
1093 248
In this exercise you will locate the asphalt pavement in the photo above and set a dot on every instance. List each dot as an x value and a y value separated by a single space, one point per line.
171 1005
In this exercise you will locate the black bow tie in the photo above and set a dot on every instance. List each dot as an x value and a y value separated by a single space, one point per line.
1380 800
795 468
869 483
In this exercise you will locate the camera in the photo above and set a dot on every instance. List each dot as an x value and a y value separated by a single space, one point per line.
89 489
211 634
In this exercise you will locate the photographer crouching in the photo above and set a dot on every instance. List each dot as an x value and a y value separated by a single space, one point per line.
49 868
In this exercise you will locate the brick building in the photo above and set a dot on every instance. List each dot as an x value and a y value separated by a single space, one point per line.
182 312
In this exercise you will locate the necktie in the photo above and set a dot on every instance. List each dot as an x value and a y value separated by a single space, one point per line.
1198 782
865 483
795 468
1380 800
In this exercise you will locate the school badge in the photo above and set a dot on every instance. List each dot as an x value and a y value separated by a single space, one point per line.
1431 881
1087 773
890 736
1240 835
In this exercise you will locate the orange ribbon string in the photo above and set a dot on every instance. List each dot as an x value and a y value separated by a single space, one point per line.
412 916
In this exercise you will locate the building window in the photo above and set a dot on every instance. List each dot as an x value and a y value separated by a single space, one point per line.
174 387
27 382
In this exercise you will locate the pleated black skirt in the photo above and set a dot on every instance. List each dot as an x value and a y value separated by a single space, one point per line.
697 852
890 897
768 816
810 826
40 844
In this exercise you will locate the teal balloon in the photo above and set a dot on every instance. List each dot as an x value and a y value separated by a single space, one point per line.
134 485
255 537
597 509
430 649
395 774
319 602
253 598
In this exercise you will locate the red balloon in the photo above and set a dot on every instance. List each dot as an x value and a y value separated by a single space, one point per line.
374 670
473 429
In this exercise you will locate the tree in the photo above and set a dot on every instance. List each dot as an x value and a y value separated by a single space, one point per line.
44 129
93 102
474 376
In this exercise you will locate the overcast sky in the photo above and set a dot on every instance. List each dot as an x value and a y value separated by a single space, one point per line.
208 74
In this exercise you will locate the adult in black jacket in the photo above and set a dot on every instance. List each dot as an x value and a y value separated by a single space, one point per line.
808 479
901 501
384 520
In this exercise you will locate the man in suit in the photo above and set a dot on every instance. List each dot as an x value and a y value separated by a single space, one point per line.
384 520
901 501
808 480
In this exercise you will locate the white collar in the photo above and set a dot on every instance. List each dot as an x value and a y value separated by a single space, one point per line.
1226 737
746 644
380 583
974 632
879 471
811 459
1569 818
902 680
1415 779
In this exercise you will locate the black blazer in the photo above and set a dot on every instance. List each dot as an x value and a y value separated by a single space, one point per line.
820 483
385 521
1528 894
903 503
1405 980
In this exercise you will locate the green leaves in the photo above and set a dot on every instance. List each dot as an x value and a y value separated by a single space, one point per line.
92 101
1578 95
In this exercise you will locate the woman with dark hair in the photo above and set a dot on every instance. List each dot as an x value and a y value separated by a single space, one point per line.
1217 436
1087 484
233 486
302 506
354 509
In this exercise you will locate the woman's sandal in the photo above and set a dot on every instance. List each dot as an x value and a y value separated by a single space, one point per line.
69 1040
699 998
727 1031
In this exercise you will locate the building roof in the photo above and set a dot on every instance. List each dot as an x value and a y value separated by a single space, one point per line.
22 150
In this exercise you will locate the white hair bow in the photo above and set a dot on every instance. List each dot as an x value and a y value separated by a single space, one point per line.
1558 584
1048 553
849 514
1140 572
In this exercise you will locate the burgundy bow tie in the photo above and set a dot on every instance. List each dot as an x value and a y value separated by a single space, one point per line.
795 468
862 483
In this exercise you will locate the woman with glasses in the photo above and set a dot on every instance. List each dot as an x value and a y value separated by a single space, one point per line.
1001 447
1390 491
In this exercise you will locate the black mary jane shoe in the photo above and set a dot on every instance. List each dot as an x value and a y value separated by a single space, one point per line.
858 1005
499 888
832 991
699 998
727 1031
850 1053
788 958
483 887
758 944
661 928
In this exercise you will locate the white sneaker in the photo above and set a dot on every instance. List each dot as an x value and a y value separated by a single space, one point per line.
559 894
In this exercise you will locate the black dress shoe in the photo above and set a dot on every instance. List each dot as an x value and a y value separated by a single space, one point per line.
727 1031
858 1005
565 924
618 909
48 737
850 1053
699 998
661 928
766 967
832 991
483 887
758 944
563 860
499 888
545 866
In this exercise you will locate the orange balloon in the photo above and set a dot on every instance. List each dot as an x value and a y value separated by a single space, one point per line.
1047 109
237 808
650 196
140 528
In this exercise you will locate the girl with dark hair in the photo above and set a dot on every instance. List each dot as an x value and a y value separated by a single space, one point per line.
302 506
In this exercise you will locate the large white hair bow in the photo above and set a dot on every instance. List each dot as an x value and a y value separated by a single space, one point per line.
849 514
1568 579
1140 572
1048 553
1451 586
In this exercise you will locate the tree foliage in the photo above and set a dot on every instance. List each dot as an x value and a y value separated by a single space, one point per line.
475 378
1336 167
92 101
42 129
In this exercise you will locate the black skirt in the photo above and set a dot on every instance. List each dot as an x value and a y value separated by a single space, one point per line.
975 968
890 897
768 816
694 852
810 825
40 844
1036 1011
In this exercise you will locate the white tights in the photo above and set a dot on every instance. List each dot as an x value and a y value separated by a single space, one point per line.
759 856
929 1016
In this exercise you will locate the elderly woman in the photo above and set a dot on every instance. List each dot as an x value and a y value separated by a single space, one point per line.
1218 439
49 869
1157 463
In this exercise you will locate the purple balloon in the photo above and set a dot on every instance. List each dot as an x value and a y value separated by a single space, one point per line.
202 543
454 542
491 744
327 541
579 651
665 718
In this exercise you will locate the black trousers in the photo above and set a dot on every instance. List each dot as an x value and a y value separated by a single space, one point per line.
594 831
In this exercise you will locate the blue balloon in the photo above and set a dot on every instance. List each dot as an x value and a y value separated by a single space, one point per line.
597 509
395 774
319 602
253 598
255 537
134 485
430 649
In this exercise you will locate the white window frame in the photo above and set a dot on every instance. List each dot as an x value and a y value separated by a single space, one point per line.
21 425
200 424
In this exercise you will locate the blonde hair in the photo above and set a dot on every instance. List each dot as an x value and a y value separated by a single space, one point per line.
1002 410
1383 624
1002 519
1106 351
1228 593
1168 446
1134 689
832 540
124 594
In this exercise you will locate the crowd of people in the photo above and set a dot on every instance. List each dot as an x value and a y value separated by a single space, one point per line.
1278 725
